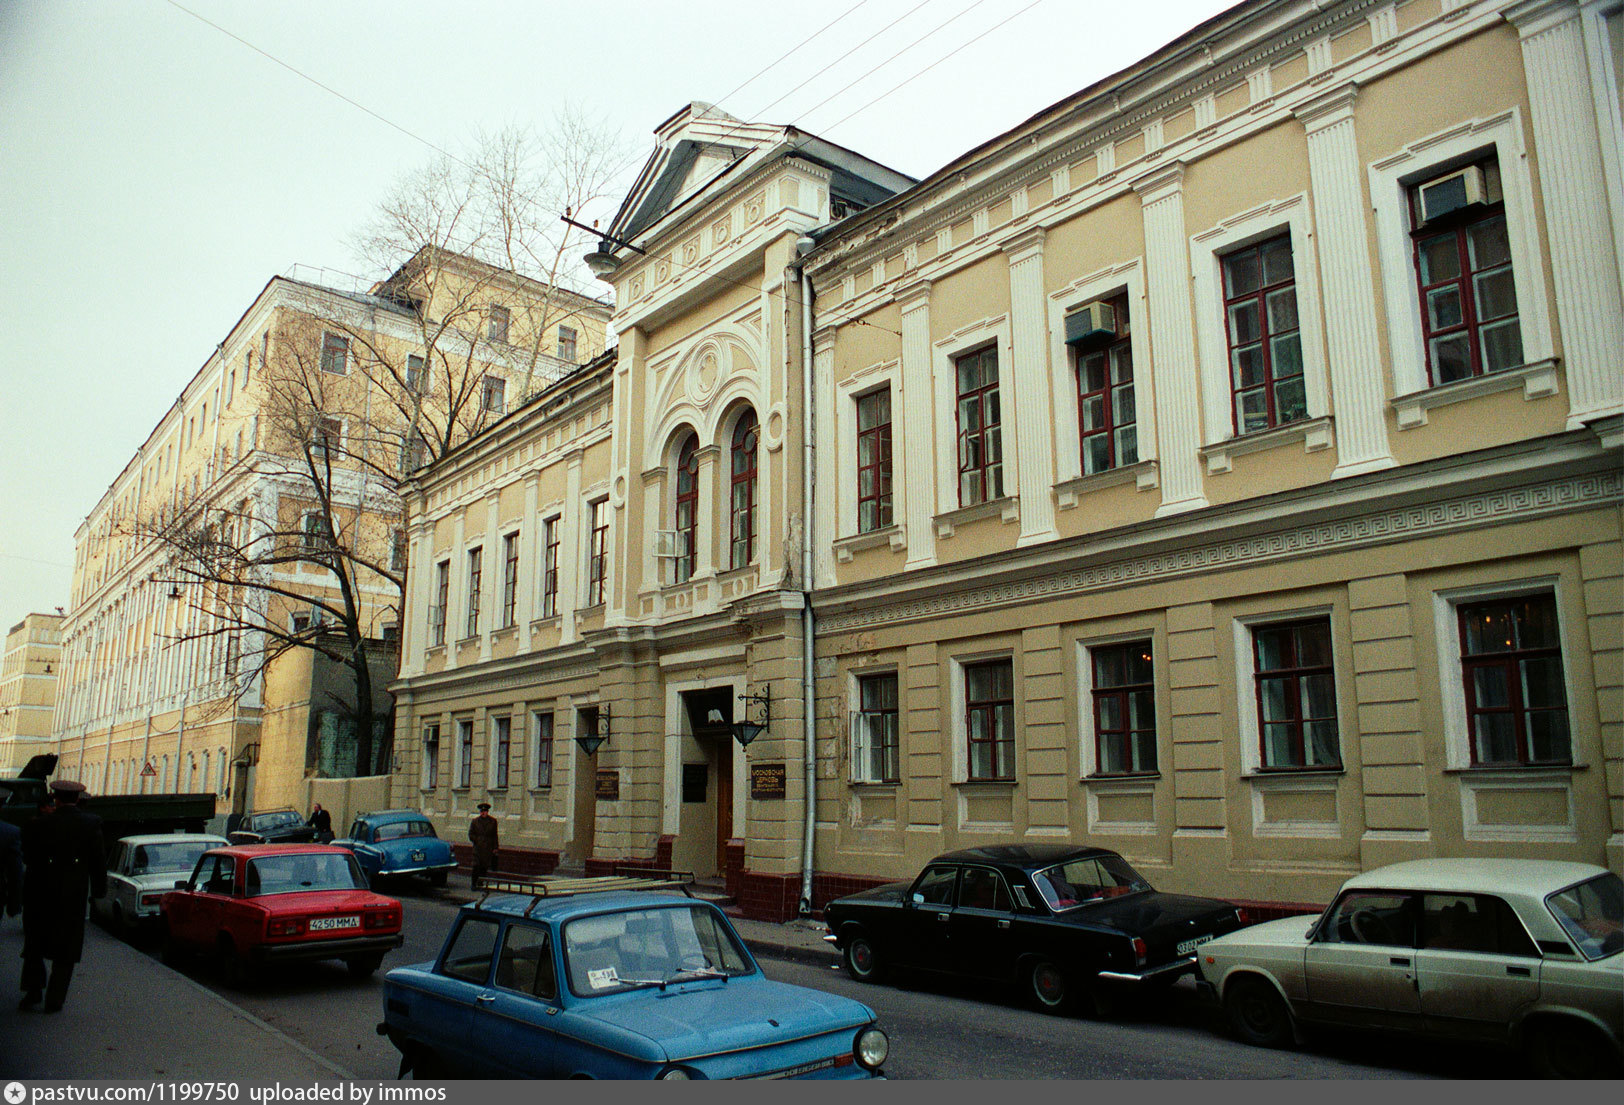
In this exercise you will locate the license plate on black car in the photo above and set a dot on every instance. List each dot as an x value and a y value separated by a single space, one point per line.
319 923
1191 945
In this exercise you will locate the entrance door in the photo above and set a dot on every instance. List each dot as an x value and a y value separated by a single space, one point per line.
722 763
585 812
707 781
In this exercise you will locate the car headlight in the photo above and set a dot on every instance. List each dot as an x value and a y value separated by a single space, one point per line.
676 1073
871 1047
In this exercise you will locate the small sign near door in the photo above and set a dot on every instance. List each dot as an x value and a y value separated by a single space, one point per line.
609 784
767 780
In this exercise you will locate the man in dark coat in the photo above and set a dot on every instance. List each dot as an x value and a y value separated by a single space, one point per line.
482 835
322 822
69 841
11 869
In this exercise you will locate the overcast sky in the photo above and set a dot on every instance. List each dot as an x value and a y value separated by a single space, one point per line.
155 172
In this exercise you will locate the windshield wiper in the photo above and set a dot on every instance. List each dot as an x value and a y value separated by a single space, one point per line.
700 973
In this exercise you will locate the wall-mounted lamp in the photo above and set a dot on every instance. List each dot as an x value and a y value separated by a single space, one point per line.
594 729
747 730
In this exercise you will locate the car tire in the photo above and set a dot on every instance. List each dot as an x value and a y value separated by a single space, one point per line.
1048 987
1569 1049
170 949
1257 1013
863 962
437 878
363 966
235 971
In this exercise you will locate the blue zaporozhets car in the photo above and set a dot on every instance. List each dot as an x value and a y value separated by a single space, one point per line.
391 843
622 985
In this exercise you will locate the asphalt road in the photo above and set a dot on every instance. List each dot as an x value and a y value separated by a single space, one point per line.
938 1029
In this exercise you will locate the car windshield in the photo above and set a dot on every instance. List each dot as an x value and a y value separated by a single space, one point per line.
1592 912
649 947
155 859
294 874
1088 879
277 820
399 830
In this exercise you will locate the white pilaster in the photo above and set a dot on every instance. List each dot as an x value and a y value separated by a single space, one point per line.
1034 414
529 566
1172 335
493 566
570 525
1567 142
918 483
1353 348
456 614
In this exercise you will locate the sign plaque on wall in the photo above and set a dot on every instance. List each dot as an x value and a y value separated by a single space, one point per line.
609 784
767 780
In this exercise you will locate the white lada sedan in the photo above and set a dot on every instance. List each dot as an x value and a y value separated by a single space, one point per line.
1524 952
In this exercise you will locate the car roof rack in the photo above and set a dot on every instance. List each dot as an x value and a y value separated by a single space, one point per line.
544 888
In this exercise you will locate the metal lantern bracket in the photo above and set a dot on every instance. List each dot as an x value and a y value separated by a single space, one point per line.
591 742
746 731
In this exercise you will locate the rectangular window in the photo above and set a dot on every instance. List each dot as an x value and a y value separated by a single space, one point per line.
981 448
989 720
874 461
1107 415
874 755
1124 708
247 366
493 394
335 353
264 353
1265 350
416 377
476 558
231 386
465 752
431 756
442 592
549 568
542 733
597 557
510 579
328 436
314 532
499 318
566 344
413 451
501 746
397 550
1463 266
1296 694
1516 694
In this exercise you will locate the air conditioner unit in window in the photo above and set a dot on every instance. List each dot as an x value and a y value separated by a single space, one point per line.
1451 192
1094 324
667 544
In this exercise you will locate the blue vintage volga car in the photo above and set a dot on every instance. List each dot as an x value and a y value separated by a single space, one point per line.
391 843
621 985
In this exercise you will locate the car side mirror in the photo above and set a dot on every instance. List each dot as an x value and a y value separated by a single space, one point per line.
918 899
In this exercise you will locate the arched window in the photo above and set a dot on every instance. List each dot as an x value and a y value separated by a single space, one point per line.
687 519
742 545
220 785
206 776
191 773
163 775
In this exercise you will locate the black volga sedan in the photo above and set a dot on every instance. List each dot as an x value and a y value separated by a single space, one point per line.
1060 921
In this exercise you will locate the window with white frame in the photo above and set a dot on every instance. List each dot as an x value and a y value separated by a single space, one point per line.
437 609
431 756
510 579
476 559
687 510
326 438
465 752
1294 689
597 558
1122 695
1100 342
493 394
416 375
743 465
315 534
989 720
874 460
980 427
498 317
335 353
549 567
1265 348
501 752
567 341
874 756
1515 691
541 755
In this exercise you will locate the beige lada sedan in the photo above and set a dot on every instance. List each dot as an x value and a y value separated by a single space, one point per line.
1524 952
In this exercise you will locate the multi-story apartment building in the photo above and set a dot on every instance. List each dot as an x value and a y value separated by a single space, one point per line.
1222 466
289 441
28 674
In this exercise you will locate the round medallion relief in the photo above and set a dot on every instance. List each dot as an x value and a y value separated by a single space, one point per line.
773 430
617 491
703 375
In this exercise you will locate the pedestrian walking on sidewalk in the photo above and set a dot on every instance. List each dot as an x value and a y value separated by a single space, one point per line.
483 836
67 844
322 822
11 869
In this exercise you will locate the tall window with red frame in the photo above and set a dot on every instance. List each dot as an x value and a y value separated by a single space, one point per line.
980 423
687 508
746 434
501 752
476 559
549 568
1107 416
1463 267
1124 709
1516 696
989 720
510 579
1265 350
597 557
874 461
1296 694
442 594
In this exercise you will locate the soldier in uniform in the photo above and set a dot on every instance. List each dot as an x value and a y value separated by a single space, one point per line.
482 835
67 843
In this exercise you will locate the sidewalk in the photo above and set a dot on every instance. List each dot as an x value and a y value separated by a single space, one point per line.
129 1017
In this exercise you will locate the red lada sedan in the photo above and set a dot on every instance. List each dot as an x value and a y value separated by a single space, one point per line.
250 905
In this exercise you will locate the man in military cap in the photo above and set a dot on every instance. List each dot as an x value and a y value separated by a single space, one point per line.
67 845
482 835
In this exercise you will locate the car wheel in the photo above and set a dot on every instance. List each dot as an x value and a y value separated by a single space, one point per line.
1258 1013
1566 1049
235 971
1048 986
437 878
863 962
362 966
170 949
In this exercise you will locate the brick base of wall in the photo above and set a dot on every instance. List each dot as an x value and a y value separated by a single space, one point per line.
511 861
660 861
1258 912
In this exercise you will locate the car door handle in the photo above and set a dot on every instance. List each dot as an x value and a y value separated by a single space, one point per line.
1520 972
1003 924
1398 961
942 917
485 999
